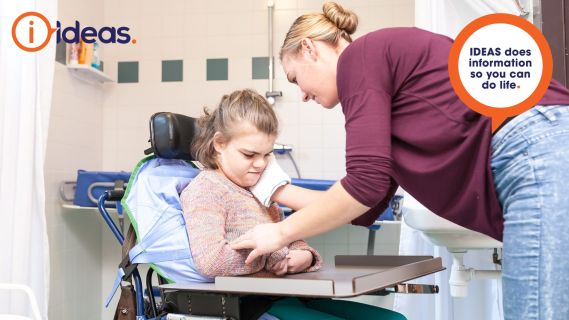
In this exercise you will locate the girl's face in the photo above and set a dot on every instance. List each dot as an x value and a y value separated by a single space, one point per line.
244 157
314 71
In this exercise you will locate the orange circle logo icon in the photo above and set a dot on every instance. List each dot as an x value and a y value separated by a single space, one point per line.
31 22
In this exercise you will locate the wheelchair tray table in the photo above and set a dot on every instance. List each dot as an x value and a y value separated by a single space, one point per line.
351 276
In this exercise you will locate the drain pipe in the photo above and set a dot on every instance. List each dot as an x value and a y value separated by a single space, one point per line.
461 275
271 95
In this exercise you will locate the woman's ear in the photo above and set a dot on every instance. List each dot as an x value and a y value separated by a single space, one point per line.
219 142
309 48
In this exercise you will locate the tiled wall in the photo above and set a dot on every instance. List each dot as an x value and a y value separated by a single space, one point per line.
105 127
74 142
221 46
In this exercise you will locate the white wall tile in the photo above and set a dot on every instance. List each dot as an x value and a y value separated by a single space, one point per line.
288 113
215 25
153 21
172 7
357 249
283 19
386 250
150 75
286 4
388 234
337 236
310 5
310 137
311 114
196 6
333 160
260 24
150 45
174 25
194 74
240 69
111 70
358 235
289 135
332 175
334 137
230 6
309 161
334 117
332 250
316 240
196 48
279 71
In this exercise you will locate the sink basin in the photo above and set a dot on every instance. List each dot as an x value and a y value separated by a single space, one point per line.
442 232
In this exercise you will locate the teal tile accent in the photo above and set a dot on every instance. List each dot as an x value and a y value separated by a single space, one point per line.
61 53
128 72
260 68
217 69
172 70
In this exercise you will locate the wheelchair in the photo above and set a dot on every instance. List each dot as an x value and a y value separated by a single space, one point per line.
248 297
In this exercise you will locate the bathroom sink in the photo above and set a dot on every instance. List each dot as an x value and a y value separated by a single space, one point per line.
442 232
457 240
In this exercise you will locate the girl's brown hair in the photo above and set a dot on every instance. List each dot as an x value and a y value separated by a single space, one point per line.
333 23
237 107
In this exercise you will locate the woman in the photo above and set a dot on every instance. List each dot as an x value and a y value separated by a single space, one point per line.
406 126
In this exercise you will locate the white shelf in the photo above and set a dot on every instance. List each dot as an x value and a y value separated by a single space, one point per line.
88 73
86 209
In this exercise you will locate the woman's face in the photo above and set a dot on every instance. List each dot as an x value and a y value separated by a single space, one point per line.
244 158
314 71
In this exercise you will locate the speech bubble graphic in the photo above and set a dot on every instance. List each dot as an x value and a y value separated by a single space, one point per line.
500 65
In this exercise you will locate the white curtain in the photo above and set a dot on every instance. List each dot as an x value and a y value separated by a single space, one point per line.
26 80
449 17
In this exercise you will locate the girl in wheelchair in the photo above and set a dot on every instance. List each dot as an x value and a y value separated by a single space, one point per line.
235 145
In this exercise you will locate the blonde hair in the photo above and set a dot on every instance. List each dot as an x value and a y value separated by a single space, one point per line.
334 23
237 107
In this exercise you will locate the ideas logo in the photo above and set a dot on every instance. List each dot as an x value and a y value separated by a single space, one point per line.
31 32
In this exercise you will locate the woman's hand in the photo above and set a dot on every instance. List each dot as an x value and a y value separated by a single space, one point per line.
263 239
299 260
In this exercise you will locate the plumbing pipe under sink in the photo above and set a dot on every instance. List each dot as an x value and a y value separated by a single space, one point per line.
461 275
458 240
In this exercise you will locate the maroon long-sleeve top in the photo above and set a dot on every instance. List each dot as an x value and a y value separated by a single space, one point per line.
406 126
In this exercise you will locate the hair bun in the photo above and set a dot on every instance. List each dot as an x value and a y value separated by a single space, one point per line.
344 19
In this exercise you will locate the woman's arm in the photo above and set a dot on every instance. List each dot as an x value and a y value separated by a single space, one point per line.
295 197
332 209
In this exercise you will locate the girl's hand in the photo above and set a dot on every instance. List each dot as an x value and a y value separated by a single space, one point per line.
299 260
280 268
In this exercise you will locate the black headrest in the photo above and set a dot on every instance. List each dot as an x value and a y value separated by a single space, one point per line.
171 135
